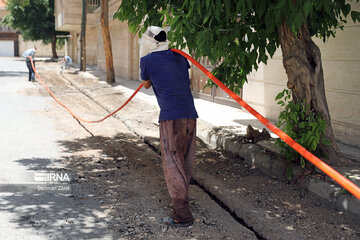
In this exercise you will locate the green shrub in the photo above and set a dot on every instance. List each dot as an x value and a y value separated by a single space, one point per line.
301 124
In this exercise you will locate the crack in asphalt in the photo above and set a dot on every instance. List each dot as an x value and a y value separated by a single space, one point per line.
82 125
79 122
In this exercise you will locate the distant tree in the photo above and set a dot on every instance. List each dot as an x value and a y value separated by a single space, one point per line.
241 34
34 19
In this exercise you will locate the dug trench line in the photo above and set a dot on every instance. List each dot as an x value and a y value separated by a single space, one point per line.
80 123
212 196
155 148
227 209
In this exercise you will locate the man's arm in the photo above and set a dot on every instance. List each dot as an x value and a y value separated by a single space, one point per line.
147 84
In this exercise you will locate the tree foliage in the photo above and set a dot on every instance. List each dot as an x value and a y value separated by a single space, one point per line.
238 35
34 19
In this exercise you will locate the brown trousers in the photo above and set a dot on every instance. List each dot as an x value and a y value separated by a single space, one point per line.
178 142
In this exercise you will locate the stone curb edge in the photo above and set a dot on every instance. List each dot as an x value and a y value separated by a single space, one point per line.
262 157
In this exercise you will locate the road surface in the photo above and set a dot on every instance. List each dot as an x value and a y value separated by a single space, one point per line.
110 182
39 138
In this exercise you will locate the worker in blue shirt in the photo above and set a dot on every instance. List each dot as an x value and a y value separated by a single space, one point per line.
67 61
167 73
30 53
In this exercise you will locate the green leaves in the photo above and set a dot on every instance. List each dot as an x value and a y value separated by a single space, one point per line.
34 19
305 127
346 9
355 16
237 36
307 7
280 4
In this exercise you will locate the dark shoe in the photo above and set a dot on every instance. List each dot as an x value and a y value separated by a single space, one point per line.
172 222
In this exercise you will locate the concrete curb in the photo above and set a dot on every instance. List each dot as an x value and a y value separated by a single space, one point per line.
263 155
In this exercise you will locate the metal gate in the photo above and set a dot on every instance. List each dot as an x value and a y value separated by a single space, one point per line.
199 80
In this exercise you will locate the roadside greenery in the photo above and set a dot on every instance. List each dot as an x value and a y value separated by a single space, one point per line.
304 126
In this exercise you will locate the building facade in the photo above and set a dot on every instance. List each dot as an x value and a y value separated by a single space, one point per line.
124 44
340 58
13 45
9 40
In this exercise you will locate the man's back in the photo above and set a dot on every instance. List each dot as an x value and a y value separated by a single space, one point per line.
29 52
168 72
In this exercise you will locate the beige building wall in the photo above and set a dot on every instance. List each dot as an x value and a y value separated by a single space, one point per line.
124 45
91 46
42 49
341 65
68 14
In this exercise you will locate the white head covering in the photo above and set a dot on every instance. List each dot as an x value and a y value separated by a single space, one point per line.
149 44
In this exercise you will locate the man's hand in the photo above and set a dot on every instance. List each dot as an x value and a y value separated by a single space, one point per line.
147 84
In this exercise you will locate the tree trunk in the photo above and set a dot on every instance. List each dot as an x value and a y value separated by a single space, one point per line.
302 62
110 76
53 46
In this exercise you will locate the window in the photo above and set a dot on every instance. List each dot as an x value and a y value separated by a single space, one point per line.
92 5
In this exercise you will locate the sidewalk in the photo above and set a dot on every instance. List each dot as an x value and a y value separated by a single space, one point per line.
219 126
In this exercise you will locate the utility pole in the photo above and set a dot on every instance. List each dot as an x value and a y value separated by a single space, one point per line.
83 38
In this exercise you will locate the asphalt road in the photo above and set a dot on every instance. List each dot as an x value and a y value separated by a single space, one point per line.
105 188
114 186
30 149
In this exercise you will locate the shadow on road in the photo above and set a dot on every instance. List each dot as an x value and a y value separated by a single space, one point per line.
98 168
55 214
12 73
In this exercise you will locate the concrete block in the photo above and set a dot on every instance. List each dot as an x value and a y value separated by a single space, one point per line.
297 170
220 142
349 205
325 191
227 141
278 169
212 139
203 133
232 146
265 162
242 151
269 145
248 152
